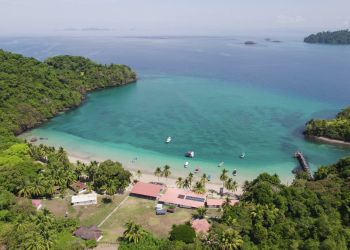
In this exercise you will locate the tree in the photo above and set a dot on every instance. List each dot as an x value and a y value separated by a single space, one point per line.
190 179
180 182
166 172
139 174
158 172
201 212
231 185
182 232
204 178
223 176
133 233
230 239
199 187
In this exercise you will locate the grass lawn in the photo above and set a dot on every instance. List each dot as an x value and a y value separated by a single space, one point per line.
87 215
142 211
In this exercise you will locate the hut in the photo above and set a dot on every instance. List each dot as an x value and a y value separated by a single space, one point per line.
201 226
88 233
84 199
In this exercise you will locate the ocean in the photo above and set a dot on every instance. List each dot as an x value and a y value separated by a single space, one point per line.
213 95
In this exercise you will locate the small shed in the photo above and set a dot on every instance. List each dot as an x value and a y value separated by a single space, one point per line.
78 187
201 226
88 233
37 204
84 199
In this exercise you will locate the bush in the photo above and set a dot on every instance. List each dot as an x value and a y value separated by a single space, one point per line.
91 244
183 232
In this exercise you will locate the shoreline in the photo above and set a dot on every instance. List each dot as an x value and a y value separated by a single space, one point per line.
322 139
148 176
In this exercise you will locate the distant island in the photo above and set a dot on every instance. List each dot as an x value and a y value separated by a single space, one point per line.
249 43
330 130
328 37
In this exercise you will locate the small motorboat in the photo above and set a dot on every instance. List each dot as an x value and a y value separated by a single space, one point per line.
242 155
221 164
234 172
168 140
186 164
197 170
189 154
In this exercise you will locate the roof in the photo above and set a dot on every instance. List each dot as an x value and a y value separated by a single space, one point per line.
88 233
146 189
219 202
183 198
36 203
201 225
77 186
84 197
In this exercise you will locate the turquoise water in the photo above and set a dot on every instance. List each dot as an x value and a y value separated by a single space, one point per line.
216 101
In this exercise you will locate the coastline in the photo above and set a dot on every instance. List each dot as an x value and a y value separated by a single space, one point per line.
322 139
148 176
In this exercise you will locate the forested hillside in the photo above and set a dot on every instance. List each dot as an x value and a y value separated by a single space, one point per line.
328 37
30 93
338 128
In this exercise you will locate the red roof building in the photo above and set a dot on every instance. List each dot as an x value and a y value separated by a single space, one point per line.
182 198
146 190
216 203
201 226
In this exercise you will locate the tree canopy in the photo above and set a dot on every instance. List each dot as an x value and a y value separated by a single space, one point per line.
328 37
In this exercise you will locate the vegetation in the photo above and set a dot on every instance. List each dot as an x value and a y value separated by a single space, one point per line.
30 93
338 128
183 232
328 37
308 214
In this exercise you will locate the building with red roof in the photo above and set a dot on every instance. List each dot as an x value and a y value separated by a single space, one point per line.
182 198
201 226
146 190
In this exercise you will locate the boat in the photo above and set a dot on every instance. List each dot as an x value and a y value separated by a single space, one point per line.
197 170
221 164
242 155
168 140
189 154
186 164
234 172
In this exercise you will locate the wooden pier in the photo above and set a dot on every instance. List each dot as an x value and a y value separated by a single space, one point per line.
303 163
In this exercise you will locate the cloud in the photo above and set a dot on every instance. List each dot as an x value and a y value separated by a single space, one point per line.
284 19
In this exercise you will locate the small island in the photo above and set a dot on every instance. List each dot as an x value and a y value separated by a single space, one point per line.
249 43
328 37
333 131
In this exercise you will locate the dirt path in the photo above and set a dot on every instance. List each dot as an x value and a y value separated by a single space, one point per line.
115 209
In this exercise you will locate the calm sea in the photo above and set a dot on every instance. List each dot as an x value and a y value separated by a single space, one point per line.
213 95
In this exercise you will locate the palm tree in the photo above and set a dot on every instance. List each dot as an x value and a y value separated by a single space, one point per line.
230 239
223 176
231 185
26 191
186 184
166 172
199 188
138 174
158 172
201 212
180 182
134 232
204 178
190 178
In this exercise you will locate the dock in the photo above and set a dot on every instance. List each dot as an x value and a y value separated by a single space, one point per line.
303 163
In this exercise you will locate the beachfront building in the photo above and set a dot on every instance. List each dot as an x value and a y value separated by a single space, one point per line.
182 198
217 203
84 199
88 233
146 190
201 226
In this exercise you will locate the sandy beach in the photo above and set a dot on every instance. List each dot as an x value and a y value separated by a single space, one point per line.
148 176
329 141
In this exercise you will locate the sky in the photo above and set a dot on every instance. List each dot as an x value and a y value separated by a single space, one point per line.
171 17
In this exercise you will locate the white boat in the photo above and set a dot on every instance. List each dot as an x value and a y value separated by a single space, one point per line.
186 164
234 173
168 140
189 154
221 164
242 155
